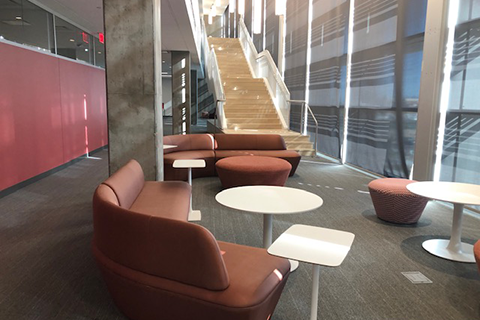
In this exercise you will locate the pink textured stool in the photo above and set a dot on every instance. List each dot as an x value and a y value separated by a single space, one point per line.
394 203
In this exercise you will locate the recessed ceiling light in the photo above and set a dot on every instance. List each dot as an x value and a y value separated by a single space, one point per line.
72 40
86 50
18 18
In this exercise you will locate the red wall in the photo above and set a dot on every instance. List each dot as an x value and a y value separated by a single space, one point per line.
51 111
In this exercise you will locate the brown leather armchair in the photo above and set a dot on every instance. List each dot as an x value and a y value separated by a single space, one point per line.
163 268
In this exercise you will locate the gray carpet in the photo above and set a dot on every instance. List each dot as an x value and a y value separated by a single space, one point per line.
47 271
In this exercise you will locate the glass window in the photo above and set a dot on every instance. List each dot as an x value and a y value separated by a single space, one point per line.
99 53
328 73
25 23
296 56
272 31
73 42
461 146
386 70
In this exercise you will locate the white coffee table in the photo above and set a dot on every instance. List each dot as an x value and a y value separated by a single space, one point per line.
269 200
459 194
194 215
315 245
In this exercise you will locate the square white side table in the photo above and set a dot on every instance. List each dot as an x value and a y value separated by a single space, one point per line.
194 215
315 245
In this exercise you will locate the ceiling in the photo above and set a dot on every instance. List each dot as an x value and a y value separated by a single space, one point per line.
88 14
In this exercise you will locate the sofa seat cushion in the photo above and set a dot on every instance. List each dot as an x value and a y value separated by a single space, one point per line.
253 275
289 155
168 199
181 174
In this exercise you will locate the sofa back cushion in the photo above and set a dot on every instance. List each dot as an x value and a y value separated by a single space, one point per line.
175 250
189 142
127 183
250 142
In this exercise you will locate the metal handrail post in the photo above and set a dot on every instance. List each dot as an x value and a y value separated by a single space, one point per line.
316 127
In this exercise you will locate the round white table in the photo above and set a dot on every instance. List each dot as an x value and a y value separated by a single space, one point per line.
269 200
459 194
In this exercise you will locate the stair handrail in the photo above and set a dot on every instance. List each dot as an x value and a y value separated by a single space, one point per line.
214 80
263 66
303 123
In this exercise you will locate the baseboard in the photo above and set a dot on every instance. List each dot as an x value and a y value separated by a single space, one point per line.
20 185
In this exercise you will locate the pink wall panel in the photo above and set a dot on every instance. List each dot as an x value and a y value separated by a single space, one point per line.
42 118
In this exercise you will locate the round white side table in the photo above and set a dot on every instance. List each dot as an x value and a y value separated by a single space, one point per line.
459 194
269 200
194 215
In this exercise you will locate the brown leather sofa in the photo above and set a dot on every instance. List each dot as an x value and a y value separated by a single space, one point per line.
215 147
159 266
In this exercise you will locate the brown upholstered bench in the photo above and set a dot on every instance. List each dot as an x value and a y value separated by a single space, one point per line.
159 266
252 170
212 148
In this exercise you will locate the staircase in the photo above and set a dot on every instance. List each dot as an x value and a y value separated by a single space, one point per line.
249 107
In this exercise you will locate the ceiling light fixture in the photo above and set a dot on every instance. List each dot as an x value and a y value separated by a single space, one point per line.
280 7
241 7
257 17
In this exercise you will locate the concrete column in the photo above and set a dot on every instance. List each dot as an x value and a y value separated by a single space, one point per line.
430 89
132 28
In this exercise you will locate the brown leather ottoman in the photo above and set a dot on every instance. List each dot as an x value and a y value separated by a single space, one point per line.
394 203
252 170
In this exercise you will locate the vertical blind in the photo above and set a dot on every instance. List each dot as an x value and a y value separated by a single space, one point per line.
385 83
258 38
461 152
271 31
248 15
385 78
296 55
328 72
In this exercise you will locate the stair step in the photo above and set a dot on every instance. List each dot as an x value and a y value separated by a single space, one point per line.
254 126
233 115
235 112
297 146
249 102
241 87
306 153
233 98
254 121
297 139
